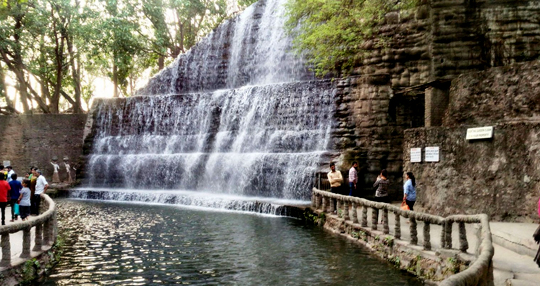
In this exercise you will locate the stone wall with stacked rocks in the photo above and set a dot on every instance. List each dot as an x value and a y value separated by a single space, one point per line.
498 176
404 80
34 140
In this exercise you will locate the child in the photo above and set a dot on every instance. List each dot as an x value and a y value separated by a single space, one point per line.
24 200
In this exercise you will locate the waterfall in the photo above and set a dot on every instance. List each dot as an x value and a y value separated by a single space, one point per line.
237 115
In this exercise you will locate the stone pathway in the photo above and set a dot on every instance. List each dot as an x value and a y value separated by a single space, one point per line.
514 253
16 239
514 246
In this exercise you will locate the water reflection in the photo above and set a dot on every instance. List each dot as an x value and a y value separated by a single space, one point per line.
123 244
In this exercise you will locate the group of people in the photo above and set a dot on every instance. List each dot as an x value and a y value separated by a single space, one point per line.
24 195
381 184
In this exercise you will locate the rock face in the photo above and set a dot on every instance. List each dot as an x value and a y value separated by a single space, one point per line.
405 81
497 176
504 94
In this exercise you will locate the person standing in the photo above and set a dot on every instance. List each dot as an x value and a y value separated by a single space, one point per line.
334 178
15 189
41 188
32 186
381 194
409 190
24 200
4 192
10 172
353 178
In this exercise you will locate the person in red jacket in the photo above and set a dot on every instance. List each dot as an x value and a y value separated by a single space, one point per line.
4 193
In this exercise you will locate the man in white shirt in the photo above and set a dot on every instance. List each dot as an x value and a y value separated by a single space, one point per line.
10 172
334 178
41 188
353 178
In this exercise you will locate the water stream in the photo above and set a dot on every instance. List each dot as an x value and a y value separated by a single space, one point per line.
238 114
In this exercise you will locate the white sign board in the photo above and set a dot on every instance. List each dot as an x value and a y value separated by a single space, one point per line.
432 154
7 163
479 133
416 155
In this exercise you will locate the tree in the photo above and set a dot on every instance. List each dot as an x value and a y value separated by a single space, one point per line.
331 32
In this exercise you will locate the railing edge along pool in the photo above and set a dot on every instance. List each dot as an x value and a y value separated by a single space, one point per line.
46 231
355 210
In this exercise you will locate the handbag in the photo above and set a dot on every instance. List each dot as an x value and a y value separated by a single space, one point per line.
16 209
404 206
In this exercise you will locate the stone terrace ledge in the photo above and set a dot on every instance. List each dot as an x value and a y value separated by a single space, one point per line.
43 229
353 214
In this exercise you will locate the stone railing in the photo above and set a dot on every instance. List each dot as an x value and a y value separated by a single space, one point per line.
480 272
45 232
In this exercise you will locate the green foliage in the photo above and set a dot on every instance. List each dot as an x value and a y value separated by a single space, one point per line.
389 241
312 218
66 45
331 32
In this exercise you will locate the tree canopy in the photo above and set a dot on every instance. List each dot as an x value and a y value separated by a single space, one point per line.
52 51
331 32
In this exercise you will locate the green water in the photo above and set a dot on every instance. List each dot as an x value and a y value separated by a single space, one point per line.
129 244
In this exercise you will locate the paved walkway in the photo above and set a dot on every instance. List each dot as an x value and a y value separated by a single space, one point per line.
16 239
513 243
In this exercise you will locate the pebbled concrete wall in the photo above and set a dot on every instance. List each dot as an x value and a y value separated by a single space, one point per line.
33 140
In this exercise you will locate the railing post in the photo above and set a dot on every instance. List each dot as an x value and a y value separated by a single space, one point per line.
448 234
374 218
386 228
364 216
319 181
478 240
345 212
339 206
463 244
38 238
318 201
26 243
427 236
325 204
414 233
46 229
397 227
332 207
353 214
6 250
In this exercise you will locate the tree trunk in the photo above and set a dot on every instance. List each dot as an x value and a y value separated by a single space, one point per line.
115 80
3 88
75 76
161 62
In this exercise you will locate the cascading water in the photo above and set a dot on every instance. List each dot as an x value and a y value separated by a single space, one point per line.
235 116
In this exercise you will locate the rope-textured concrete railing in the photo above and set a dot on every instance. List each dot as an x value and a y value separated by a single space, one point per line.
45 232
480 272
